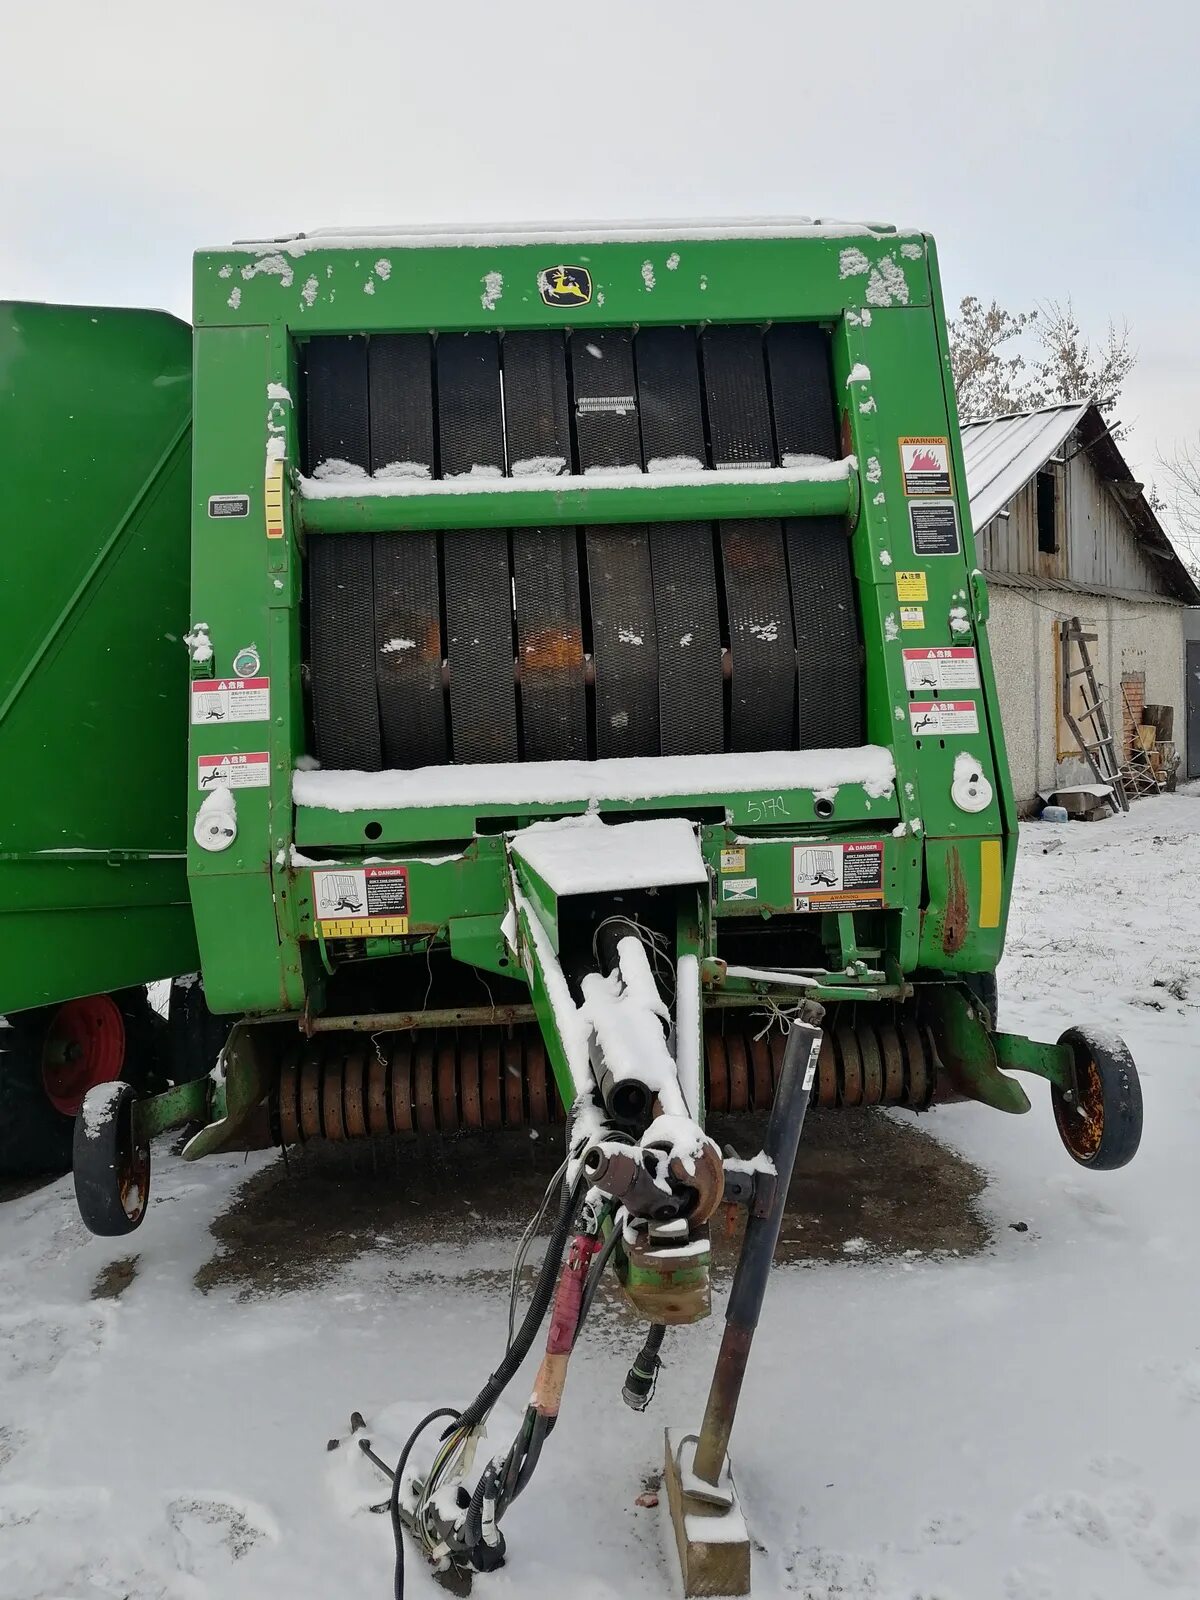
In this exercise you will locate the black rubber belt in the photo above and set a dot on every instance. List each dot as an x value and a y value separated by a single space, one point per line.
537 411
739 408
478 581
691 713
828 657
399 367
341 639
620 580
537 423
762 712
550 644
339 566
801 390
335 401
408 649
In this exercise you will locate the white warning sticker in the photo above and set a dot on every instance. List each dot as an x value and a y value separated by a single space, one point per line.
252 771
943 716
838 877
369 900
948 667
231 700
739 888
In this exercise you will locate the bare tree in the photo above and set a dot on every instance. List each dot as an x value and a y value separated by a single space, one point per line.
1181 499
992 375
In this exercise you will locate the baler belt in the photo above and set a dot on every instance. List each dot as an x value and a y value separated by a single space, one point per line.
408 649
537 413
605 394
762 646
342 652
479 645
336 405
470 424
550 644
827 644
691 688
801 391
399 367
739 407
668 382
624 641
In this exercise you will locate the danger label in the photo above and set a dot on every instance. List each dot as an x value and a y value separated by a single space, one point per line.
912 586
945 668
934 528
252 771
943 716
841 877
925 464
369 900
231 700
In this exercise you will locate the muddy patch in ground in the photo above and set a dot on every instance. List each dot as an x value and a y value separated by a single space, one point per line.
113 1280
866 1185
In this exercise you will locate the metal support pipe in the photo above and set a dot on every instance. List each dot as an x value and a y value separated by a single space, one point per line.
404 1021
758 1250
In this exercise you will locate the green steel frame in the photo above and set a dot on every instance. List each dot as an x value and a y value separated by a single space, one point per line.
947 872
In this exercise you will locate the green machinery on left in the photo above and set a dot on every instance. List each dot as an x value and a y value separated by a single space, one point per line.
95 459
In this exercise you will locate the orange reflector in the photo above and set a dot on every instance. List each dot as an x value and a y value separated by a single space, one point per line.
991 878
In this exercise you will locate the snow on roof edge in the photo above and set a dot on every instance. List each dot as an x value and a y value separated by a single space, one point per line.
450 235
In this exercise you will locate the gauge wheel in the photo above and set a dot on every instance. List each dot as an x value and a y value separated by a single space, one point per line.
112 1168
1100 1121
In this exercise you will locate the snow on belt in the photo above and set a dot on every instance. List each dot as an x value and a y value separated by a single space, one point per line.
583 855
511 783
356 486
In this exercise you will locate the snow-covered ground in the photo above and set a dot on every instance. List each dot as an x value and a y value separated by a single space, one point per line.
1020 1424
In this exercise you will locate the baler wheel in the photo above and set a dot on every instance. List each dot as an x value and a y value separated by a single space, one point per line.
112 1169
1101 1125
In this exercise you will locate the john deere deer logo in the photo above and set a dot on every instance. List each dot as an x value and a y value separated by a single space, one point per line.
565 286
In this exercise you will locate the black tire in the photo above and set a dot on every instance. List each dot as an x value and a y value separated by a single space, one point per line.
195 1037
112 1171
34 1137
986 990
1103 1130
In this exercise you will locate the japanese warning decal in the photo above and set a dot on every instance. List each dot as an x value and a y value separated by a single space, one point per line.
944 668
231 700
838 877
349 903
925 463
251 771
943 716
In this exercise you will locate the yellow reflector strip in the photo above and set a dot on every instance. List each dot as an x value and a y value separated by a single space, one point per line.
991 877
274 499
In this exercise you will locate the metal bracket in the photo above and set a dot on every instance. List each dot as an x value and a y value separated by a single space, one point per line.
968 1050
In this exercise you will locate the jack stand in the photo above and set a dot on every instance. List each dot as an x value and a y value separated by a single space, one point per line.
711 1537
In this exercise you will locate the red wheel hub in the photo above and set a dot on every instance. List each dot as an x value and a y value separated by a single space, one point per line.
85 1046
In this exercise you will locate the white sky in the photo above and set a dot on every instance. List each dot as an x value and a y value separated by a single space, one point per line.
1051 149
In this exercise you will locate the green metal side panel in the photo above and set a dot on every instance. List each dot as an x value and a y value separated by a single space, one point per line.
95 423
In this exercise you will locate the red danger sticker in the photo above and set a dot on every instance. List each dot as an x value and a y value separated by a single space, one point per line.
950 667
251 771
230 700
942 716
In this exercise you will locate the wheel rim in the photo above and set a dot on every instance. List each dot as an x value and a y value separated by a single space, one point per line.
84 1047
1081 1122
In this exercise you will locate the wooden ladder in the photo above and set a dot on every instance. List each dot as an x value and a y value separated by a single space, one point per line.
1099 751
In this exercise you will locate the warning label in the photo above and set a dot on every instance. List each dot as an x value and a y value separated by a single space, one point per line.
229 505
934 528
231 700
911 586
943 716
352 904
251 771
912 617
733 859
739 888
838 877
925 463
945 668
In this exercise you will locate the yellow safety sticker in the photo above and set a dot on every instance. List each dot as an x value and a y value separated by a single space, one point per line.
912 617
991 877
733 860
378 927
274 499
912 586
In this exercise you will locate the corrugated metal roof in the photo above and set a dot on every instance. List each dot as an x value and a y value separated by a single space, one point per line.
1003 453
